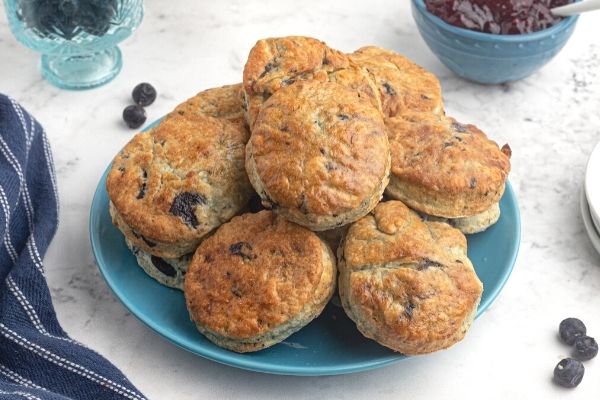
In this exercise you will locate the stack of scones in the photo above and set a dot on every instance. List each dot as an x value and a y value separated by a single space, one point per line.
317 138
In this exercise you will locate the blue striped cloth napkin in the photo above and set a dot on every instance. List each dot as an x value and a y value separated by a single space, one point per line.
37 358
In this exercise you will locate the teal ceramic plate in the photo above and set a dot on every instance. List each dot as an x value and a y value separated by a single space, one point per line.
327 346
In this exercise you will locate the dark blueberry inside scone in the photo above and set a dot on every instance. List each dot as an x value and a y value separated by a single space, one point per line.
167 271
184 206
407 283
174 184
258 279
318 155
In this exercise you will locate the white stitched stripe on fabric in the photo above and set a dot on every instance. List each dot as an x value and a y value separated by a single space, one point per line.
67 364
22 187
34 255
31 245
24 394
31 132
24 191
30 311
8 154
12 286
19 112
7 241
50 165
21 380
28 396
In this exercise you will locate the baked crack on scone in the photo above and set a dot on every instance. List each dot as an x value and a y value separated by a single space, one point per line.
443 168
258 279
173 184
276 63
402 85
318 155
407 283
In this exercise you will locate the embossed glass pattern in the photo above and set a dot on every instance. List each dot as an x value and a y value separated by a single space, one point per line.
77 38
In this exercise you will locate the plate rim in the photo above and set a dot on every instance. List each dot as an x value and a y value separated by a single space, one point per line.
264 367
592 189
588 223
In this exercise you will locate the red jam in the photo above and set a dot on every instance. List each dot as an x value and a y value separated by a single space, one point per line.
505 17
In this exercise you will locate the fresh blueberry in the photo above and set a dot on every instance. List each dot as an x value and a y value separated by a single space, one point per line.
586 348
569 373
134 116
570 329
163 266
144 94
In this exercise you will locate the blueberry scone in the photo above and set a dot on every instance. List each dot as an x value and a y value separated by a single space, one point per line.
173 184
446 169
276 63
319 154
407 283
258 279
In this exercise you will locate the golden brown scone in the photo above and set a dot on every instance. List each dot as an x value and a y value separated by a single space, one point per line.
402 85
407 283
275 63
443 168
223 102
318 155
175 183
257 280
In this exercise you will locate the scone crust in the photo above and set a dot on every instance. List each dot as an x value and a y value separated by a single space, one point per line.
402 85
318 154
275 63
443 168
223 102
175 183
160 249
257 280
407 283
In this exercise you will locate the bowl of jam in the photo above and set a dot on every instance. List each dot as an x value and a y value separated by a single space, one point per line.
493 41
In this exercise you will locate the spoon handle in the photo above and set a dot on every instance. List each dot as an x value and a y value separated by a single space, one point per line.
576 8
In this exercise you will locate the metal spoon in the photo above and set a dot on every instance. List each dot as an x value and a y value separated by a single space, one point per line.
576 8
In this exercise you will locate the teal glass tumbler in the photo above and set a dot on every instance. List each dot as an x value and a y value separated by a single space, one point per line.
77 38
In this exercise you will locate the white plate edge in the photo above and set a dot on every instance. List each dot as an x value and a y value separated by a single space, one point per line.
592 189
587 221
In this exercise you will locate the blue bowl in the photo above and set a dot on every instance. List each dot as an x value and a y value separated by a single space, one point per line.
489 58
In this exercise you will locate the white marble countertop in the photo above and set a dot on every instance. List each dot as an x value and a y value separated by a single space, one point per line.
551 121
